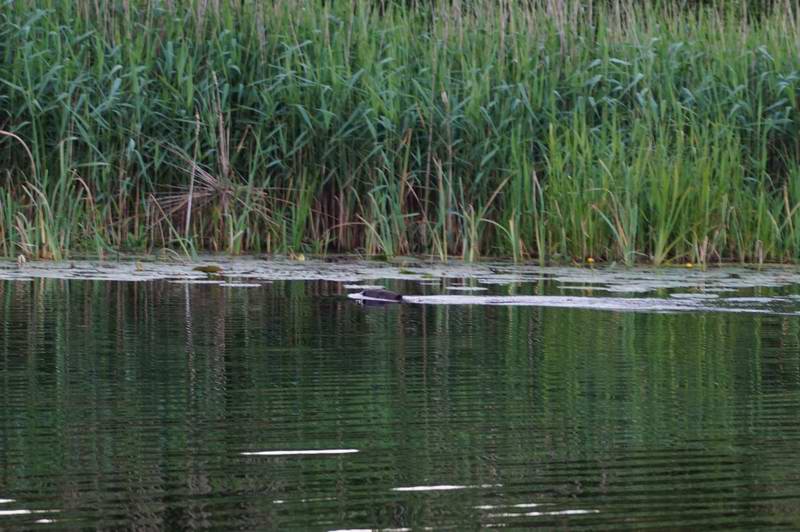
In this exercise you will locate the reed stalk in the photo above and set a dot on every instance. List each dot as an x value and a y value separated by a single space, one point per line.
554 130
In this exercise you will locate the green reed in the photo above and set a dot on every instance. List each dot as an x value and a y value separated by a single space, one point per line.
553 129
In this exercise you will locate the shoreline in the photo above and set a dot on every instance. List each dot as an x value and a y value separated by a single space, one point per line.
355 269
736 289
403 261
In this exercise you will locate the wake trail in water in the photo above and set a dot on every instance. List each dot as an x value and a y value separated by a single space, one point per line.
740 304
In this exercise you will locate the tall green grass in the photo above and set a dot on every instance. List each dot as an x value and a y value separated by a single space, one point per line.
552 129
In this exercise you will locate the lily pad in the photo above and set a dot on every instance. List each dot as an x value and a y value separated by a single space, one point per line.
211 268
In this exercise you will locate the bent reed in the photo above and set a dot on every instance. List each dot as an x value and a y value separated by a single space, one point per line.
548 129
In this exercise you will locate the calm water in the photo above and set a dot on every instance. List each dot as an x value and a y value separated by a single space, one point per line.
131 405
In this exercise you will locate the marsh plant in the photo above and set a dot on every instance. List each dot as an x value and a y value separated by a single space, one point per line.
547 129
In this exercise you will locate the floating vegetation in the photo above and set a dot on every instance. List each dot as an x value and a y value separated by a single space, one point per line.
358 274
579 287
667 290
211 268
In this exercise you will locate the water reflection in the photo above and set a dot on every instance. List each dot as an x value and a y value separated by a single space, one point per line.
306 452
444 487
130 405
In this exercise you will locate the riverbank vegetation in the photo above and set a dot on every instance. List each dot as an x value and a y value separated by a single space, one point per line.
554 130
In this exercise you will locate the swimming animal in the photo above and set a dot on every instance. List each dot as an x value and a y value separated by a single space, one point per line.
384 296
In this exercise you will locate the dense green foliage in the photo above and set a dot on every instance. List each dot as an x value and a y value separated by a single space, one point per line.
556 129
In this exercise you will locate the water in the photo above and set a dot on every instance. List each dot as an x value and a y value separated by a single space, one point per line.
146 405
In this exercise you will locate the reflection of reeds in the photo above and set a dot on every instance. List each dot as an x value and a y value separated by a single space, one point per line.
556 130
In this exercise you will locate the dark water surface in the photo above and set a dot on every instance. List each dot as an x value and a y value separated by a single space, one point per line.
130 405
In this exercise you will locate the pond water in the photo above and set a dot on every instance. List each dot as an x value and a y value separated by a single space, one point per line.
287 405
